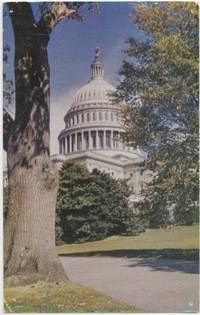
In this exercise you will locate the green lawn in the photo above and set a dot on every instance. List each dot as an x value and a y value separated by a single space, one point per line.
179 242
61 298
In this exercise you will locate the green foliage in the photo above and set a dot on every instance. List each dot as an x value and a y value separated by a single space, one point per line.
160 88
91 206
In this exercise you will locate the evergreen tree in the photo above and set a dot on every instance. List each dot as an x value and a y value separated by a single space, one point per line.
91 206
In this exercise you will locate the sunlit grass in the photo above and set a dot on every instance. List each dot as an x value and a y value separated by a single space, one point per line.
60 298
180 237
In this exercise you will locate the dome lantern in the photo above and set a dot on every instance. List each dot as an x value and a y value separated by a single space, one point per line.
97 66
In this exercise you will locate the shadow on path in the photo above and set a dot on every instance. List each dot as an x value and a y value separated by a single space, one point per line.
157 264
190 254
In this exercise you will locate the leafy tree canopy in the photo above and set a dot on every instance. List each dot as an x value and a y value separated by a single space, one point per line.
159 84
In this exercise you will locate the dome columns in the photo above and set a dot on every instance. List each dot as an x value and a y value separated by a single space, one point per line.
91 140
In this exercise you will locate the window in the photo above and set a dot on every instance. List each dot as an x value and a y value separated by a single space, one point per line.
89 96
88 116
73 142
108 139
93 134
111 116
86 138
101 139
94 116
63 145
100 115
106 116
82 117
77 119
68 144
115 139
79 141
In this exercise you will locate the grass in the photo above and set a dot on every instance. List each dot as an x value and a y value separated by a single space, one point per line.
60 298
177 242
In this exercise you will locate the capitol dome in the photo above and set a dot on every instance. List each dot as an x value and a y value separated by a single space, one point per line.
93 132
92 122
97 91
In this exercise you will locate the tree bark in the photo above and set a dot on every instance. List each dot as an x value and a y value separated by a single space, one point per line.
7 126
29 242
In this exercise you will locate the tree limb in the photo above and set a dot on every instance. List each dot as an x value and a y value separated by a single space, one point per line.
7 126
57 12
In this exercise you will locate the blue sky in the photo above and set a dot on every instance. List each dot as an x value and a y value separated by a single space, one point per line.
71 51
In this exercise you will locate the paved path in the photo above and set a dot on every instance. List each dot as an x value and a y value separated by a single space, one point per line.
156 285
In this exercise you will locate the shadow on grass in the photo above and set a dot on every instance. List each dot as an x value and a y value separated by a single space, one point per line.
190 254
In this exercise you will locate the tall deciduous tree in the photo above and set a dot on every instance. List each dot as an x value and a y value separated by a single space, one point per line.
160 87
29 242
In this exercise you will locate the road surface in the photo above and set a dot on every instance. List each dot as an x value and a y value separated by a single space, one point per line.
155 285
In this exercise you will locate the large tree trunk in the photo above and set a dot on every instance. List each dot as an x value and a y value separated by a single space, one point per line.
29 242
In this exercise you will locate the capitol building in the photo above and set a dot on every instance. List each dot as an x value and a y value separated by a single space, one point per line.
93 133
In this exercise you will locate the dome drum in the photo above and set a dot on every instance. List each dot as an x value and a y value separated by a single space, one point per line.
92 139
89 117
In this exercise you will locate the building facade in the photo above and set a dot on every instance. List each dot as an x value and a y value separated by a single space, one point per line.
93 133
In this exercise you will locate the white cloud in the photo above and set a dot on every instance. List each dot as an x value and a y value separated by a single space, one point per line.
59 107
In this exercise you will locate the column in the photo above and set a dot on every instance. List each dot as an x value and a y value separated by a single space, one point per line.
97 139
112 140
123 143
104 139
75 142
90 140
60 147
93 136
79 141
117 140
72 144
83 141
63 145
120 141
68 144
108 138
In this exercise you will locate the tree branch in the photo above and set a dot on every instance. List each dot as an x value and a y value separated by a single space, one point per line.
7 126
57 12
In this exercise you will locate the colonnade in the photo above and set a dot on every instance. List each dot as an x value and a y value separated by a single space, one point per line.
91 140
